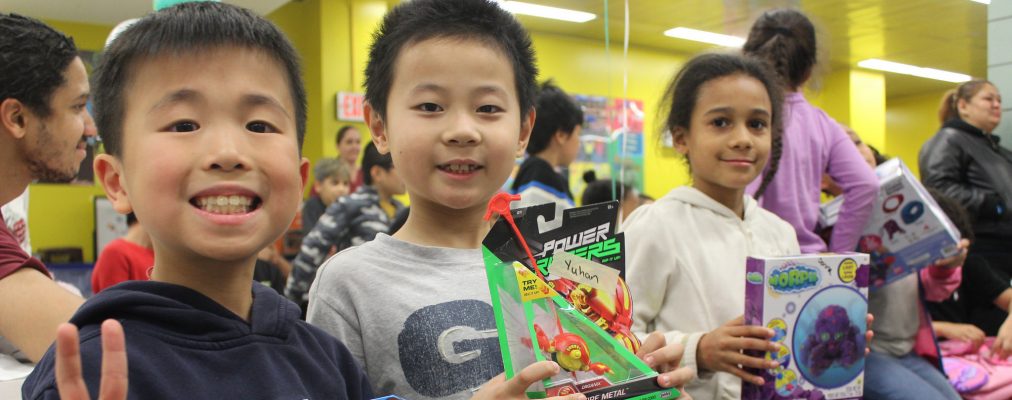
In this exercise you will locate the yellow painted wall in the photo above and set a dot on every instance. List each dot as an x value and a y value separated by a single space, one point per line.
582 66
910 122
332 37
62 215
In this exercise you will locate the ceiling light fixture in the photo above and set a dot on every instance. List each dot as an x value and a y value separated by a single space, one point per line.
705 37
982 1
535 10
905 69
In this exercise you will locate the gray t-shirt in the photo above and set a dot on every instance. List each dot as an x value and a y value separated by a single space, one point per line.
897 316
419 319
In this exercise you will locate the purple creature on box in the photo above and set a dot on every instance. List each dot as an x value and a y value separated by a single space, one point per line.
891 227
774 388
835 340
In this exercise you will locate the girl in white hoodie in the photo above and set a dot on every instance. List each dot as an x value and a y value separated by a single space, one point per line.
687 251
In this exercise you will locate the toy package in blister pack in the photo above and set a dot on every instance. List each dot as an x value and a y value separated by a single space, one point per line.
817 306
559 295
907 230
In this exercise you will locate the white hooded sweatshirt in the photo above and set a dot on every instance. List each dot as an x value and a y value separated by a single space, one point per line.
686 271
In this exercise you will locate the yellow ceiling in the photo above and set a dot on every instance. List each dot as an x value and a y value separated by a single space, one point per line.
944 34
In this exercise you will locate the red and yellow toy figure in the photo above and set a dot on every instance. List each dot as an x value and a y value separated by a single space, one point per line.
570 352
610 313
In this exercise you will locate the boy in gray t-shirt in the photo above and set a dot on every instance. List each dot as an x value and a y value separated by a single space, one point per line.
449 94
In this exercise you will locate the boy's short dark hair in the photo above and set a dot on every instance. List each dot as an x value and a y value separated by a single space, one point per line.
419 20
331 168
33 57
182 29
371 157
556 111
601 190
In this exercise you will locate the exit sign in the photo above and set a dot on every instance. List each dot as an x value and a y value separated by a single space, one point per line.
349 107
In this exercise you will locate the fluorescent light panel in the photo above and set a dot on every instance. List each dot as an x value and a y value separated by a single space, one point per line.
905 69
982 1
705 37
536 10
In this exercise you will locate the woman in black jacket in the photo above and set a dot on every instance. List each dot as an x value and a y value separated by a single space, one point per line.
965 162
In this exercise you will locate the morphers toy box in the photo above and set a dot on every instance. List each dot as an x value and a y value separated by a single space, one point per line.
817 306
907 230
558 294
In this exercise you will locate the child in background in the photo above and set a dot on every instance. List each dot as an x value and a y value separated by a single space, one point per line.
332 180
905 362
202 114
450 95
813 143
602 190
349 221
128 258
980 306
554 144
687 251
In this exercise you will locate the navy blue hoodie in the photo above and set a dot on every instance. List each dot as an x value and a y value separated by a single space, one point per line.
183 345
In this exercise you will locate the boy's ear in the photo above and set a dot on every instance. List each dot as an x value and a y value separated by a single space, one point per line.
377 129
526 126
304 172
12 117
561 136
109 171
678 137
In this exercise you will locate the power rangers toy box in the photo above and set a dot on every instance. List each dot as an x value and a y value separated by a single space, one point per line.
817 307
907 230
558 294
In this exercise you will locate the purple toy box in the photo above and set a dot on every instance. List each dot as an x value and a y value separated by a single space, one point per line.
817 304
907 230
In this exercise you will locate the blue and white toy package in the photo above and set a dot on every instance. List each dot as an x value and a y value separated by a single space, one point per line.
817 305
907 230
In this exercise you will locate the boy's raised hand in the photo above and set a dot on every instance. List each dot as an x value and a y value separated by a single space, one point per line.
69 380
516 388
665 358
721 349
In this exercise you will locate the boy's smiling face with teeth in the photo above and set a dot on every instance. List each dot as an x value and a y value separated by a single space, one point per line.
453 123
211 162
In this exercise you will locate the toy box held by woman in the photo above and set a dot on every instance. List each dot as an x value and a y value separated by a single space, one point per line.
817 307
558 294
907 230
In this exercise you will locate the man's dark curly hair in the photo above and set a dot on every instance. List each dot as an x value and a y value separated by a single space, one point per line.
33 57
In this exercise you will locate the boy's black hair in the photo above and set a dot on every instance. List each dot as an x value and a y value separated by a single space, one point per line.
372 158
600 190
187 28
784 38
341 132
956 213
556 111
479 20
683 91
33 57
131 219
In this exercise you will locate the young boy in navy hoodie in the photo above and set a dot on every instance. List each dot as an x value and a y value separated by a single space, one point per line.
202 113
450 88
